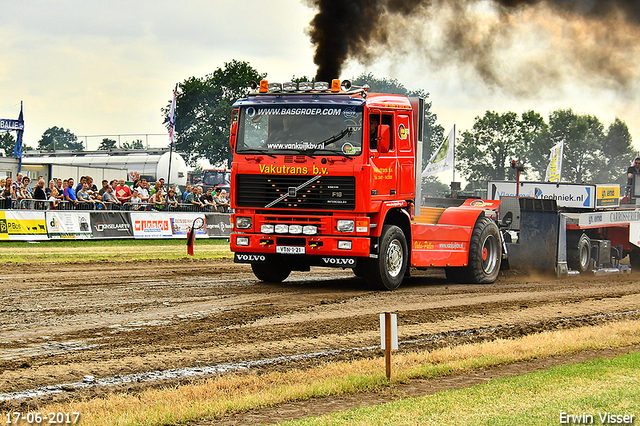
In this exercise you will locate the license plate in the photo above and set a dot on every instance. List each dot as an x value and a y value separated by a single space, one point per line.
289 250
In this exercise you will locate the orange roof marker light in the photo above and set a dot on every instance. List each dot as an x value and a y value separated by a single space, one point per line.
335 85
264 86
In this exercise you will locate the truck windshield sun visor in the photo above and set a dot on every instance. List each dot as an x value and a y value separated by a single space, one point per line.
304 129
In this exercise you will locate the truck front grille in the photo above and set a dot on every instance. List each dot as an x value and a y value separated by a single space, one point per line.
290 192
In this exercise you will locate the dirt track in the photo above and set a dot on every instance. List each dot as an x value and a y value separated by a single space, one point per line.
63 322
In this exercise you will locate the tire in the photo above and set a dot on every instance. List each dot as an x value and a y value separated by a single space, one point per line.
273 271
388 271
579 254
485 253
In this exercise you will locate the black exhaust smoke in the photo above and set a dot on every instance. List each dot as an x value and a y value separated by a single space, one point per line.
596 37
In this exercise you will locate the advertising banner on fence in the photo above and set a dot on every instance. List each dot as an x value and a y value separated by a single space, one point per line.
22 225
218 224
32 225
111 225
74 225
151 225
181 224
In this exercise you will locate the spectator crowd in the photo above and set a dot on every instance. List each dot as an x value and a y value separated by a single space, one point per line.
65 194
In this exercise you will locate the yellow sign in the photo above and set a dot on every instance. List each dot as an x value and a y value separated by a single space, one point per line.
19 223
607 196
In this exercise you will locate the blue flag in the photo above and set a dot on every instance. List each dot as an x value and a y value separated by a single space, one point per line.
17 149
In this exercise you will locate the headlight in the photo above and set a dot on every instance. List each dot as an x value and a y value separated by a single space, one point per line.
282 229
266 229
310 230
345 225
242 241
295 229
243 222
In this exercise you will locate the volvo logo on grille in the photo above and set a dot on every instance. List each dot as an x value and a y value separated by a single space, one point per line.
292 191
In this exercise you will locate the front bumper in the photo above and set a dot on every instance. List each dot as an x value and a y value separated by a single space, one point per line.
316 250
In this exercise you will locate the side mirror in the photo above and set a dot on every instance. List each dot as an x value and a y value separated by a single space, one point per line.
383 139
234 133
235 114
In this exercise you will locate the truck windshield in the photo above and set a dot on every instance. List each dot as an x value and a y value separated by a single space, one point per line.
306 129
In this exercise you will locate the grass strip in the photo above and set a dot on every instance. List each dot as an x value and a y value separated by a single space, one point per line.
111 250
227 394
591 391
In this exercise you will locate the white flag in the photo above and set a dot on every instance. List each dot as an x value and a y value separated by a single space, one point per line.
554 169
172 117
442 159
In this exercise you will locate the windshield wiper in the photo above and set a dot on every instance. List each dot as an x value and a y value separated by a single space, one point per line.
256 151
329 140
337 136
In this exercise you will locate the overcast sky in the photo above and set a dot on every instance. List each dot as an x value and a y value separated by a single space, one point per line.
107 68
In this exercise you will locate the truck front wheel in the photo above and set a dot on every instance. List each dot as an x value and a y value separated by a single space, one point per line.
273 271
387 272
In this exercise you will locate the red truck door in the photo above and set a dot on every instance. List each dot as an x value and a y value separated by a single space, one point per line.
406 157
384 164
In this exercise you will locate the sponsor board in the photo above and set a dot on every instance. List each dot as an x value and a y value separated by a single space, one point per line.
607 195
151 225
608 218
218 224
111 225
23 226
73 225
181 225
566 195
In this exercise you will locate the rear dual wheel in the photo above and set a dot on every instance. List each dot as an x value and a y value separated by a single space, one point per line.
485 255
579 253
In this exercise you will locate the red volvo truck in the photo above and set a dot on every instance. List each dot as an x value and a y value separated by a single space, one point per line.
327 174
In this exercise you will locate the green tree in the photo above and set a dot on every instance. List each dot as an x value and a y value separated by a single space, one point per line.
616 152
107 144
7 142
55 138
484 153
583 137
137 144
535 135
203 111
